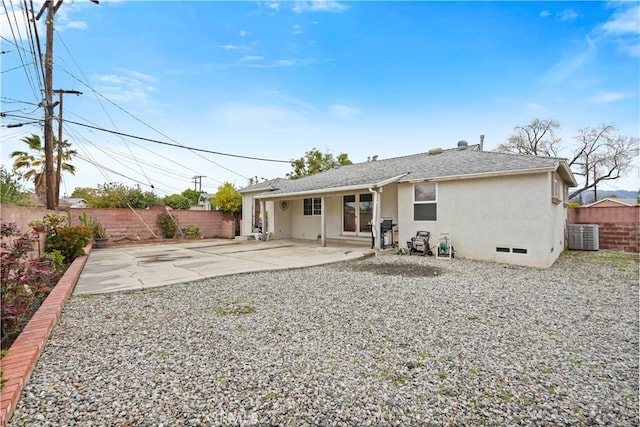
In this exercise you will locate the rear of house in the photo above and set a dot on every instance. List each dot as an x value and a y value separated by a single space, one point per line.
493 206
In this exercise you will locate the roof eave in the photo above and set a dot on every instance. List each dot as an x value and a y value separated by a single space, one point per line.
482 175
342 189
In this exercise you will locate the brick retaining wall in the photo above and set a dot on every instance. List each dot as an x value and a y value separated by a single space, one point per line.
619 227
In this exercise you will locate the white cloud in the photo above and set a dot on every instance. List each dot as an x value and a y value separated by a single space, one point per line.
252 58
545 13
606 97
243 33
76 25
17 24
229 47
343 111
296 29
633 50
571 63
624 22
318 6
567 15
534 106
274 5
129 86
235 115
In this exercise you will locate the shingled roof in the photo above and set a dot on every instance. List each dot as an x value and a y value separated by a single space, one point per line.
434 165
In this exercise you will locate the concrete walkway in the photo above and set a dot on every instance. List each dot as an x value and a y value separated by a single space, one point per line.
137 267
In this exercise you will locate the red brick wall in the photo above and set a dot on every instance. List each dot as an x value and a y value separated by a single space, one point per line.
133 225
618 227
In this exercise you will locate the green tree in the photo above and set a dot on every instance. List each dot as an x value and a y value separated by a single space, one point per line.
192 195
314 162
89 194
228 200
31 164
177 201
116 195
11 188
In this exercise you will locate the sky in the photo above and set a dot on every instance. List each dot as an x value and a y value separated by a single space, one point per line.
273 80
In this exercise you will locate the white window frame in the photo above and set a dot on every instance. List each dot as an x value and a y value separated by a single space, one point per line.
316 206
425 202
556 189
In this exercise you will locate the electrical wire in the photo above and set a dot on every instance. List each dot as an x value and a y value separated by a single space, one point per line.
16 43
193 171
98 94
33 34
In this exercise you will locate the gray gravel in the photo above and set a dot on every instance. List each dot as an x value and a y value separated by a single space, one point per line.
391 340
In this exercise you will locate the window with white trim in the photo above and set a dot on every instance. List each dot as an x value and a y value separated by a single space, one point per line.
312 206
425 203
556 189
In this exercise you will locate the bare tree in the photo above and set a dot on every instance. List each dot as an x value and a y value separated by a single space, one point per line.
601 154
536 139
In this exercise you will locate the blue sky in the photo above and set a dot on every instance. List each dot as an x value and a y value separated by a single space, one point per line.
276 79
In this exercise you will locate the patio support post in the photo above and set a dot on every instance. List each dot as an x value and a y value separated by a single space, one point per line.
323 226
263 213
375 221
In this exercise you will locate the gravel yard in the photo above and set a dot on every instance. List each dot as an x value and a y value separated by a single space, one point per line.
390 340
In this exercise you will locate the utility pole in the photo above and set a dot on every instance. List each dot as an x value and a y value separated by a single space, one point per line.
48 104
61 92
197 182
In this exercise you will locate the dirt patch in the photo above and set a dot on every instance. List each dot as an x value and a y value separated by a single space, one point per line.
399 269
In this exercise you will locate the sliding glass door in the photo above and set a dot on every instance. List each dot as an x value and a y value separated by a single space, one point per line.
357 212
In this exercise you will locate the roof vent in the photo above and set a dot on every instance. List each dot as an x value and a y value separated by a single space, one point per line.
435 151
462 145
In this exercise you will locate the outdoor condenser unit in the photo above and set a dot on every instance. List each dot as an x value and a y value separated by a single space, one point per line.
584 237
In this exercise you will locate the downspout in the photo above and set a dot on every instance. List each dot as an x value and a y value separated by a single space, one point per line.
375 221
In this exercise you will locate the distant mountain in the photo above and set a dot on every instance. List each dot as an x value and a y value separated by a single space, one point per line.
587 196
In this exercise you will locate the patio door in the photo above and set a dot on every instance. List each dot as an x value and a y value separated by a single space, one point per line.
357 212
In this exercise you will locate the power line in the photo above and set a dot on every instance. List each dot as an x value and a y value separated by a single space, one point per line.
98 94
202 150
142 138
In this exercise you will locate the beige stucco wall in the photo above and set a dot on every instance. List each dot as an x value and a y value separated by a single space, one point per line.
482 214
246 225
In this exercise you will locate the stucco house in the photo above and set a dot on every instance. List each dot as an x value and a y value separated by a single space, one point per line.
494 206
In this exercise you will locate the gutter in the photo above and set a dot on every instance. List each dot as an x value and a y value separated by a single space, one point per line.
482 175
269 196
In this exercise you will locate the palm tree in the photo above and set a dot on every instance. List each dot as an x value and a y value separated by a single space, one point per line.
32 162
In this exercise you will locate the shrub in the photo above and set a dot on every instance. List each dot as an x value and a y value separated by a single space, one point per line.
168 225
56 259
192 231
23 285
70 241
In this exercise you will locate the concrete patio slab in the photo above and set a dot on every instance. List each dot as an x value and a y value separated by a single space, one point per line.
137 267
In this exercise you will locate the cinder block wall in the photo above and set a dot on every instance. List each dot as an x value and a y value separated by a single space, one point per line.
22 216
618 227
140 224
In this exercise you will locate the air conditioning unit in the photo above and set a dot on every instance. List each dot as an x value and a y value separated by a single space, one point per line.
584 237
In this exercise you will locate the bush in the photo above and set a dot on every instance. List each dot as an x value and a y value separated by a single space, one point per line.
23 284
192 231
70 241
168 225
